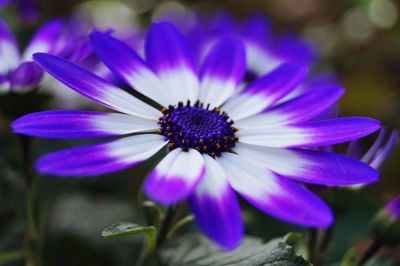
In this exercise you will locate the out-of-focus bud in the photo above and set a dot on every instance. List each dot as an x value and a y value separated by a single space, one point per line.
385 226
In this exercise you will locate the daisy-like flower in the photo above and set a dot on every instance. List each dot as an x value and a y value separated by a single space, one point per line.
17 71
218 142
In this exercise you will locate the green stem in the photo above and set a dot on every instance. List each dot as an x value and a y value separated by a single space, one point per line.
179 224
324 244
32 235
9 256
165 225
370 252
312 242
148 254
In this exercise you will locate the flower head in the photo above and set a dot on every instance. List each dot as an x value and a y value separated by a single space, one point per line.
219 141
385 226
17 71
264 51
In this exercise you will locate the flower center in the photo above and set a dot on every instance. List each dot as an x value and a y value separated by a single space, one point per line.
197 127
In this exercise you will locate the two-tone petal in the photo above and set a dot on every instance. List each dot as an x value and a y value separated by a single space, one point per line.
273 194
222 71
169 55
27 76
46 39
265 91
94 87
311 134
128 65
297 110
175 177
101 158
216 208
316 167
81 124
9 54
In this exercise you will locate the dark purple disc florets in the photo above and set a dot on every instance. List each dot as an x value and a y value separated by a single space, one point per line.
197 127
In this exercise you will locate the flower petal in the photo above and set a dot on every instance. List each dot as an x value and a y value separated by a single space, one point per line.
297 110
127 65
383 152
275 195
222 71
101 158
310 166
312 134
216 208
81 124
175 177
94 87
26 77
46 39
265 91
9 54
4 84
168 54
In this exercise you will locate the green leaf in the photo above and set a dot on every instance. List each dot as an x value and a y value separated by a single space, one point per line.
126 229
196 250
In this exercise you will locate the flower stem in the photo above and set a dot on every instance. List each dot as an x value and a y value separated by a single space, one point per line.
165 225
370 252
31 186
312 242
148 255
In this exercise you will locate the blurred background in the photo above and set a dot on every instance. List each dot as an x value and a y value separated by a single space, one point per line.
358 40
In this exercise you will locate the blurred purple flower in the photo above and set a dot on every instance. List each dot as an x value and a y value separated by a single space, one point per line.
76 48
17 71
393 208
264 51
219 141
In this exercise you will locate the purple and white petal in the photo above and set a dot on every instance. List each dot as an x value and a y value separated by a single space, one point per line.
311 134
309 166
81 124
297 110
4 84
260 60
222 71
26 77
175 177
9 54
383 152
169 55
128 65
45 40
273 194
265 91
216 208
94 87
101 158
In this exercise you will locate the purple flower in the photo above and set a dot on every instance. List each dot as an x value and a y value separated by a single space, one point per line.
385 226
219 141
264 51
393 208
17 71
